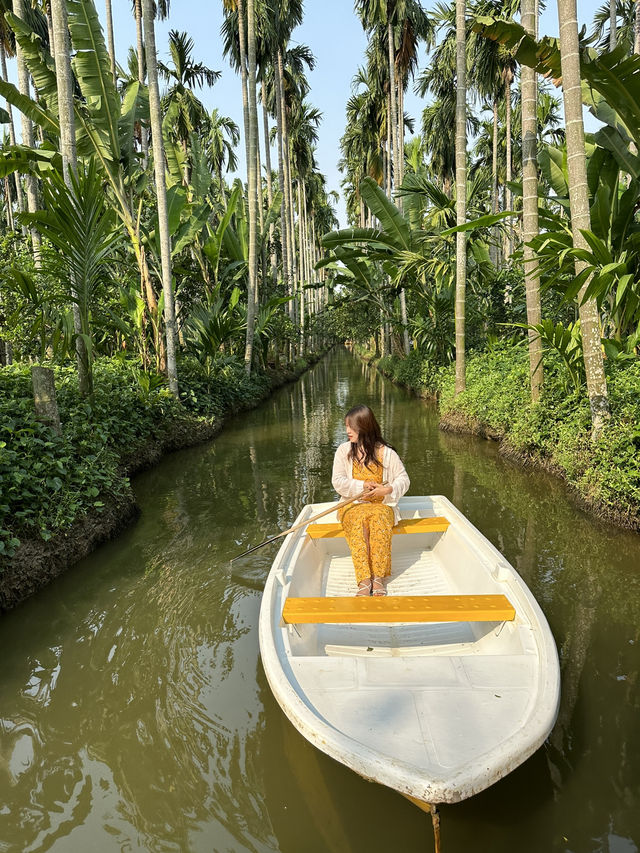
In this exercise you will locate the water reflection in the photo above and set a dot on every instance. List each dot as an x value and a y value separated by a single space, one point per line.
134 713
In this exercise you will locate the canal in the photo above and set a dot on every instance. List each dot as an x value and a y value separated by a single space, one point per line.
134 712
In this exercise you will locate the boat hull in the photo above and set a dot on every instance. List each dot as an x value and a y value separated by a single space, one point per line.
437 712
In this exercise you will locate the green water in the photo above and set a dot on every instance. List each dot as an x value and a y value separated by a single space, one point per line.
134 712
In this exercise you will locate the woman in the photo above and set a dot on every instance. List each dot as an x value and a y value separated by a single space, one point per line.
368 466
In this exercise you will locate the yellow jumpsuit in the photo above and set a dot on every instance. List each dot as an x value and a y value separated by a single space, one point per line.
379 519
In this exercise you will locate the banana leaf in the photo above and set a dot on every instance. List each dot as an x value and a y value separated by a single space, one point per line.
135 108
392 221
92 68
38 60
40 116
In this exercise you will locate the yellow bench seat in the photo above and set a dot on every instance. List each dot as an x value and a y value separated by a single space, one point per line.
437 524
399 608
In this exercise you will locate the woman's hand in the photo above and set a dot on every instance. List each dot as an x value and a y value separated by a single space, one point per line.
376 491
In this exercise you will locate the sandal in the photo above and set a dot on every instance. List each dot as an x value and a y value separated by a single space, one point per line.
378 587
364 587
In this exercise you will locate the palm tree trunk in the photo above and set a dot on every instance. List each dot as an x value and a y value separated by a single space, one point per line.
12 136
400 132
281 181
509 196
64 82
389 147
636 29
27 137
161 193
267 146
579 203
252 295
461 192
223 189
292 213
9 208
494 182
242 40
301 269
262 246
267 155
259 183
403 296
47 13
110 43
144 135
613 35
392 91
286 225
528 85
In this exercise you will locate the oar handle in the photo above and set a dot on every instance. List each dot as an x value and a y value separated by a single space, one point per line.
304 523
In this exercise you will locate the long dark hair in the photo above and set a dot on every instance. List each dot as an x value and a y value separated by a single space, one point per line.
362 419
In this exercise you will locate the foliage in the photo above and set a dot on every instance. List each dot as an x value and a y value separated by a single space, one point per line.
566 342
48 481
415 371
557 429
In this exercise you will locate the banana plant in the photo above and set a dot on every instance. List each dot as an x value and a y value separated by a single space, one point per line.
213 324
414 251
611 259
103 122
566 342
41 315
81 227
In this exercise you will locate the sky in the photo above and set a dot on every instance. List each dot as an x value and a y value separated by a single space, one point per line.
334 34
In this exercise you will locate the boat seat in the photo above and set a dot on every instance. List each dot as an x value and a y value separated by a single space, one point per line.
399 608
437 524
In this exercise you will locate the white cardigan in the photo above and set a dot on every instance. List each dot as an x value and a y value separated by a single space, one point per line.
393 473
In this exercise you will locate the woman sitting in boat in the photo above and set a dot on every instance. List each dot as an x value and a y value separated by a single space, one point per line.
369 466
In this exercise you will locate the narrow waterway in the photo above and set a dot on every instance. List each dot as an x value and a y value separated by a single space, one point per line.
135 715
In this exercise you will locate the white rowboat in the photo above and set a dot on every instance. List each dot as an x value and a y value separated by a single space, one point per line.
436 710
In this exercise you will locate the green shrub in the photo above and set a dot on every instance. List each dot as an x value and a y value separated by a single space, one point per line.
48 481
557 428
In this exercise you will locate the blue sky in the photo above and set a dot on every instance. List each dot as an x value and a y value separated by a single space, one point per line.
336 38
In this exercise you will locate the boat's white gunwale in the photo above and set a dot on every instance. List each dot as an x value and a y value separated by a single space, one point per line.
478 773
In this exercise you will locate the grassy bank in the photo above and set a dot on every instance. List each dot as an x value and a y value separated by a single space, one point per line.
554 433
63 494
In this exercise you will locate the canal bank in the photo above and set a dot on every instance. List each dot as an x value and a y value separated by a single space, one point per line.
41 558
135 711
553 435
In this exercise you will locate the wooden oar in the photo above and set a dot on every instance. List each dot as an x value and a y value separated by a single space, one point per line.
302 524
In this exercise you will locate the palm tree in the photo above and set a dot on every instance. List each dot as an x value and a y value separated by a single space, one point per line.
303 126
222 137
137 14
182 75
240 44
148 15
579 204
530 204
27 133
7 48
408 18
110 43
252 175
612 24
615 24
64 80
439 143
461 190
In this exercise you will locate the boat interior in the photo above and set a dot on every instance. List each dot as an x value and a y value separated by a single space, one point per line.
444 693
433 563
